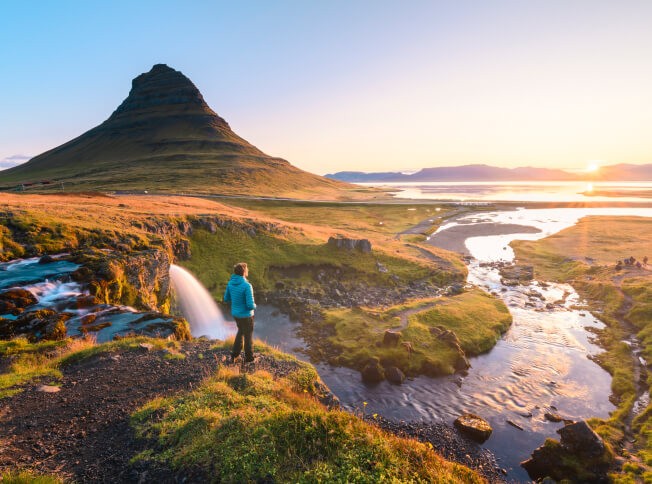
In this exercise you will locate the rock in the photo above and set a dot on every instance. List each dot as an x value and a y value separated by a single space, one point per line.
48 389
513 275
46 259
553 417
146 346
392 338
16 298
580 456
394 375
373 372
455 289
363 245
514 424
381 267
474 426
579 438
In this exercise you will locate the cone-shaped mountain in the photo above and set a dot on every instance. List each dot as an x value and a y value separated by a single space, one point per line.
164 137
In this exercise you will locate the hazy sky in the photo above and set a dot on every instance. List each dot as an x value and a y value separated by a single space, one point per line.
348 85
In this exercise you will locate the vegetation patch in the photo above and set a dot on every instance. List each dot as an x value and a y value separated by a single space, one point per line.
585 256
246 427
24 362
475 318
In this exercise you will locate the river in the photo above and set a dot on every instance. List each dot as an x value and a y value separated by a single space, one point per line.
542 363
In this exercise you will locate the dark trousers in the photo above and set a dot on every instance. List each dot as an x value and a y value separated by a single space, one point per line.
246 331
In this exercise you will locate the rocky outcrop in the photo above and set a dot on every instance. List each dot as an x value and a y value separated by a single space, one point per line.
579 456
139 279
43 324
474 426
363 245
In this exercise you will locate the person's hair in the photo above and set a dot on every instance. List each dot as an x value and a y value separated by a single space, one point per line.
240 268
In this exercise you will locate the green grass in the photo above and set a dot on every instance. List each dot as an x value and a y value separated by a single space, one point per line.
561 257
272 259
367 219
28 477
250 427
477 319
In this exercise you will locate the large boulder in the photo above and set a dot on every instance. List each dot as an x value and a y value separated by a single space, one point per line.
513 275
363 245
391 338
579 456
474 426
394 375
373 372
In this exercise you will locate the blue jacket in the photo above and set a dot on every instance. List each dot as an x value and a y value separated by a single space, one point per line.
241 295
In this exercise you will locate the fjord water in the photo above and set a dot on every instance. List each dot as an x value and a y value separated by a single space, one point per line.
524 191
198 306
541 365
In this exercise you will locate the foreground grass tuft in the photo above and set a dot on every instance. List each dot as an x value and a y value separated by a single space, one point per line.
28 477
248 427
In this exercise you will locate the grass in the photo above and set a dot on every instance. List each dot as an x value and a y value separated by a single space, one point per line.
273 259
365 219
253 427
42 361
477 319
622 299
28 477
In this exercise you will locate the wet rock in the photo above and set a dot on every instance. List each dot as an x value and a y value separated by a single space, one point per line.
553 417
373 372
455 289
394 375
46 259
392 338
513 275
363 245
43 324
474 426
579 456
514 424
16 298
579 438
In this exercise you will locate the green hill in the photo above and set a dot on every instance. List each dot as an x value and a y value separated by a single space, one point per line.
165 138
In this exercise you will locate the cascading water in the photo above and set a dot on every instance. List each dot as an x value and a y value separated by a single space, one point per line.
198 306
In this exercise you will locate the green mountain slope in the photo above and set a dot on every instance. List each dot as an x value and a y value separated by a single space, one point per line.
164 137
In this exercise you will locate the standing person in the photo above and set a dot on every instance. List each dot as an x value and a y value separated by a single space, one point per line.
241 296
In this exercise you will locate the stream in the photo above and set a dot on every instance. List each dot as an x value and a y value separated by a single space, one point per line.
541 364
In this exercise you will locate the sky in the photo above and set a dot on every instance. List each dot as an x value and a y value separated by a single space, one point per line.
339 85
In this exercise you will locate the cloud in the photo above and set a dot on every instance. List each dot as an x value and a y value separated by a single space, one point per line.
13 160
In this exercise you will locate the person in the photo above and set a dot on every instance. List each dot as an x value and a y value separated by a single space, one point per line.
241 296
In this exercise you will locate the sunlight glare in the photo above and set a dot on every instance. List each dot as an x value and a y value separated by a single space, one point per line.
592 167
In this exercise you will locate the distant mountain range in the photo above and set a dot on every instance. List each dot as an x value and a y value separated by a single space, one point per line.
165 138
475 173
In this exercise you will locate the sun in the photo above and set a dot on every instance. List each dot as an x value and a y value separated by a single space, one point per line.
592 167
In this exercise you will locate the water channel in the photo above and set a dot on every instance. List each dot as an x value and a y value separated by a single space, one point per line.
542 363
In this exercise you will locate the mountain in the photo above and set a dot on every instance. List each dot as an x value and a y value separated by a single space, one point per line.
164 137
472 173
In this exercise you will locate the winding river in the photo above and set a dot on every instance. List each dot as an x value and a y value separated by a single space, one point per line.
541 365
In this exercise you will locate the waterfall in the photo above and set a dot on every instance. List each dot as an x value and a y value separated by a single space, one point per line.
198 306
